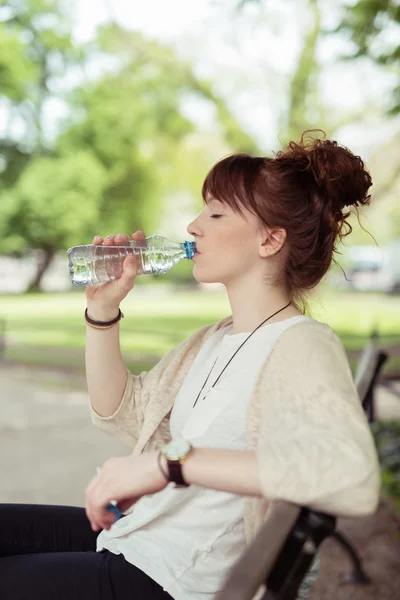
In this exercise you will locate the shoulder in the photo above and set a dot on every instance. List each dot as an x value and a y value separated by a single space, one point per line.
308 346
306 334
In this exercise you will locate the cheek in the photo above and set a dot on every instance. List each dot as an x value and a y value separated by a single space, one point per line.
237 246
229 257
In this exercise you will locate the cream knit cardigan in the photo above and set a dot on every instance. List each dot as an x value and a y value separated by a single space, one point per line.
304 419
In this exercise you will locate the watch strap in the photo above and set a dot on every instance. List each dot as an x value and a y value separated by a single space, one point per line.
174 466
175 473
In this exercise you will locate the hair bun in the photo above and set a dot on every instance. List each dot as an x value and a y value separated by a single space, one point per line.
338 172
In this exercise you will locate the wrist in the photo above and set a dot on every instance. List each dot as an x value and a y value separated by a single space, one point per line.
161 467
101 313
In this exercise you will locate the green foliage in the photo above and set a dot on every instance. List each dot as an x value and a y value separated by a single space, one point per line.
131 121
54 203
303 99
36 35
16 70
117 153
373 25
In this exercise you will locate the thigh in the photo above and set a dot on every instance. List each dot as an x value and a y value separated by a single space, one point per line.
30 528
75 576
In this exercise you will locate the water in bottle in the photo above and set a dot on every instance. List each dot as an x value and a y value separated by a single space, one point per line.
155 254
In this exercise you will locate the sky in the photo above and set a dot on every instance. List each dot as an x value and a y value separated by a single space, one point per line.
248 57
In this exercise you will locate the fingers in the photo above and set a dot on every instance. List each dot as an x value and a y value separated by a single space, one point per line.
138 235
110 240
121 239
97 514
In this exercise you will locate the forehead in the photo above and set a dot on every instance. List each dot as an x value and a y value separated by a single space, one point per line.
245 215
213 201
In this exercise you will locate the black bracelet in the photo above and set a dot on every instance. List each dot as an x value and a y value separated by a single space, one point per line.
91 321
161 467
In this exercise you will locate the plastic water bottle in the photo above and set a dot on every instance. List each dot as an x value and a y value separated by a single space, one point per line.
155 254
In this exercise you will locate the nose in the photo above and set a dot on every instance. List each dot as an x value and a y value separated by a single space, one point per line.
192 230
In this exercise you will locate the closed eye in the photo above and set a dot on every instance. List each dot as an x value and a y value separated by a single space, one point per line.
215 216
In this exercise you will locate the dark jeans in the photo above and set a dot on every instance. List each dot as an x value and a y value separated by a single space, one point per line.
49 553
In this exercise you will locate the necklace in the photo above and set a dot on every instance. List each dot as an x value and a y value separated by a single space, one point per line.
278 311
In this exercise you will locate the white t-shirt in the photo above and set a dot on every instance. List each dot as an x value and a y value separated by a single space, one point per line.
186 539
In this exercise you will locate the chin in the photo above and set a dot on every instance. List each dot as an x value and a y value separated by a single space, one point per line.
204 277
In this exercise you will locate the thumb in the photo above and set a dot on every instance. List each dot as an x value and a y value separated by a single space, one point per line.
130 266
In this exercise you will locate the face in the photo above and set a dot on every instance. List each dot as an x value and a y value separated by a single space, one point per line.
229 244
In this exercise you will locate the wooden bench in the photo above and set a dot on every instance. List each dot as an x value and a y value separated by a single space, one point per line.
369 366
275 564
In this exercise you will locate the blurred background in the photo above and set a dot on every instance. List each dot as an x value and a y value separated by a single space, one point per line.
111 114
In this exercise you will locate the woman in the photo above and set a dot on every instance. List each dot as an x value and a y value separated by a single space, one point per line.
263 401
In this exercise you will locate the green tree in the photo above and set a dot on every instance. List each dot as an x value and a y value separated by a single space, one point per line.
36 49
304 109
374 29
132 121
304 102
53 203
373 26
108 163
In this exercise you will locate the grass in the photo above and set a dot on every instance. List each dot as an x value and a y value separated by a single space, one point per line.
48 329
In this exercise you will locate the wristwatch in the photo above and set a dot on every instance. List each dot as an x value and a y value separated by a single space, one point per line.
175 453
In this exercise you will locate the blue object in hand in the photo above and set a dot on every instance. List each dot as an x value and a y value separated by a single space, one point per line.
113 508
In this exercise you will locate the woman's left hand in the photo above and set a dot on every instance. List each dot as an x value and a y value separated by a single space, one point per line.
124 479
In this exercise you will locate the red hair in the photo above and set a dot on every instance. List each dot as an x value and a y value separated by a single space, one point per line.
305 190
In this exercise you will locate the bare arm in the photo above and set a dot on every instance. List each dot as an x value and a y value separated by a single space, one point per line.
106 373
105 369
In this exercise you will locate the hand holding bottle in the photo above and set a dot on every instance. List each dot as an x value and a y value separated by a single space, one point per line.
106 261
104 298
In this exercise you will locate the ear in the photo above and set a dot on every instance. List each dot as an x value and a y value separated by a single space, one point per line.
273 240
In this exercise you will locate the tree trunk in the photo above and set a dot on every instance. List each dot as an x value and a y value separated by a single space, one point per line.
44 260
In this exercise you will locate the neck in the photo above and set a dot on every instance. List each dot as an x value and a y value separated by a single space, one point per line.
251 306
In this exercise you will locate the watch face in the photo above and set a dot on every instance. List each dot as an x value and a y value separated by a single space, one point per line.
176 448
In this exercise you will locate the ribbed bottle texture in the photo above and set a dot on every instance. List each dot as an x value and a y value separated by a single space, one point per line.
155 254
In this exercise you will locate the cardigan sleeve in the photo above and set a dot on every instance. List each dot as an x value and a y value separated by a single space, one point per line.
127 421
315 447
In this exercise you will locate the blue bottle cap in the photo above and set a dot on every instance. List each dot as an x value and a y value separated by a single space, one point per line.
190 248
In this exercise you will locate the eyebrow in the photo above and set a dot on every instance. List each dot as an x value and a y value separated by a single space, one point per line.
212 201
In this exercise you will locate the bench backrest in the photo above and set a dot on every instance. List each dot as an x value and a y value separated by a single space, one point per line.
369 366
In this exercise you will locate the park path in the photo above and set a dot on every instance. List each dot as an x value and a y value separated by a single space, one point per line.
50 451
377 539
